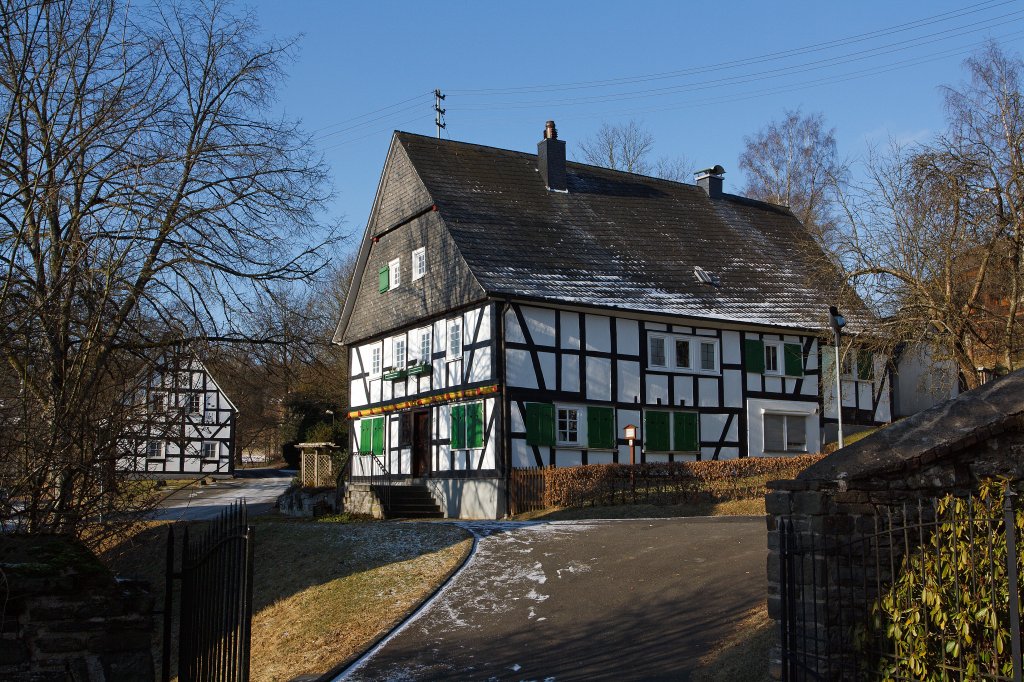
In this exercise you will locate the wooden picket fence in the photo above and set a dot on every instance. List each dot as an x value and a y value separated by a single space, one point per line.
526 490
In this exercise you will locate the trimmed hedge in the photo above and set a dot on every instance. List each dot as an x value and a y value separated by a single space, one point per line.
668 483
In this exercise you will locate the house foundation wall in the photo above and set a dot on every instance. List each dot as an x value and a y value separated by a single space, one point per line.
470 498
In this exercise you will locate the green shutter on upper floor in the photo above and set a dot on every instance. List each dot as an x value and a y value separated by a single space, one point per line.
865 365
600 427
458 435
794 355
686 434
475 425
540 424
656 431
377 443
754 350
383 279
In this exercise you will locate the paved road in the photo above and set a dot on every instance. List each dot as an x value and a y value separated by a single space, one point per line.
630 599
258 487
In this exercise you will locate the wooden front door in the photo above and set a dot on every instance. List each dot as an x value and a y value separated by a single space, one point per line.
420 443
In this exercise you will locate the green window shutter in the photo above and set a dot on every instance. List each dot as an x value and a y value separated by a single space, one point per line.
383 279
794 359
601 427
685 431
656 433
755 355
458 436
540 424
365 435
865 365
378 436
475 425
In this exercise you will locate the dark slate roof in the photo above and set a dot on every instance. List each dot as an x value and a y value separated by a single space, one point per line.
939 431
624 241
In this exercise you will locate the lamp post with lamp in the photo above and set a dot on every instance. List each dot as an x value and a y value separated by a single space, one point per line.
838 322
630 433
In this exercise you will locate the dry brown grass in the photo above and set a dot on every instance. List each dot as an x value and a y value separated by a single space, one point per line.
323 592
743 655
335 589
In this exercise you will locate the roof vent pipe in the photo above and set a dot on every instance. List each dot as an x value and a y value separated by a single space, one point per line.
551 159
710 180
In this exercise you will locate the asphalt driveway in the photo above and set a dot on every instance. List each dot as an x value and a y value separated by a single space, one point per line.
573 600
259 488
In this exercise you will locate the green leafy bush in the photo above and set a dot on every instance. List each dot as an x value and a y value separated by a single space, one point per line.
948 609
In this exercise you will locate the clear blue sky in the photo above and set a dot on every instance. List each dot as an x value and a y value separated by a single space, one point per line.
699 76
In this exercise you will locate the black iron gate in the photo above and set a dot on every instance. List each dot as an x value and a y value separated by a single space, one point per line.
929 590
214 602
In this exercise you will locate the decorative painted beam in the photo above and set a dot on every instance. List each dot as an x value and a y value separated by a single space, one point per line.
440 398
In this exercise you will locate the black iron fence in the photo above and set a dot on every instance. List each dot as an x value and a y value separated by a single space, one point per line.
215 601
929 590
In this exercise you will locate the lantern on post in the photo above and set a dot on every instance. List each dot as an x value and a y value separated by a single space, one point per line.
630 434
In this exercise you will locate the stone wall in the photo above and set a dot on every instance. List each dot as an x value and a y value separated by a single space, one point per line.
65 617
826 508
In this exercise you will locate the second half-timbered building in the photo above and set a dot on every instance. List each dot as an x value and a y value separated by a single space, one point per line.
514 310
182 422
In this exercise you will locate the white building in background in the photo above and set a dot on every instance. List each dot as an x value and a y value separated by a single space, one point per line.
184 423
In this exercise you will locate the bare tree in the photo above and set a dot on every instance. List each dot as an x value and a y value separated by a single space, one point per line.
628 147
935 238
146 193
793 162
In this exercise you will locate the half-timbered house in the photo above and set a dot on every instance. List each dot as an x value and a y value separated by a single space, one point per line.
512 310
182 422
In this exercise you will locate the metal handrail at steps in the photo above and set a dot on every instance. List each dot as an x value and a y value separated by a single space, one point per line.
380 478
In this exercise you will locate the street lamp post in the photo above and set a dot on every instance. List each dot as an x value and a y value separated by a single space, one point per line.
838 322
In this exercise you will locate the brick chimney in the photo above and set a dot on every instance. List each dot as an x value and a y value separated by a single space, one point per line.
551 159
710 180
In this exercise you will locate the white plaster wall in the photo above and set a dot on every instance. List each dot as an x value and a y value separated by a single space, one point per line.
599 377
475 498
599 333
571 373
570 330
541 324
627 336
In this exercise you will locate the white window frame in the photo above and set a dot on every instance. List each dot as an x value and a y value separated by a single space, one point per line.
426 347
689 354
161 449
419 263
713 342
158 402
376 361
196 403
210 444
581 425
399 360
665 355
451 354
780 358
394 274
787 416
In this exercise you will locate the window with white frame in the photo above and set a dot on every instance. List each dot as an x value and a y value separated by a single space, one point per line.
158 402
210 450
425 345
683 360
567 425
419 263
375 361
156 449
399 352
195 403
656 356
773 357
680 353
455 339
395 273
709 356
785 432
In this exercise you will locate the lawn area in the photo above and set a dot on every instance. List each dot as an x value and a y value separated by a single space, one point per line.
741 656
324 590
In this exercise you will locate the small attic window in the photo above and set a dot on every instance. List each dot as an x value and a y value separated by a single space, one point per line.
704 277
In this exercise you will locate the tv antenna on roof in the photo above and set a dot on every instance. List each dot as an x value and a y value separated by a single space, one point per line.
439 118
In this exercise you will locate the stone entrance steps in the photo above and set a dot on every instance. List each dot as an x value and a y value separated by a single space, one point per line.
409 502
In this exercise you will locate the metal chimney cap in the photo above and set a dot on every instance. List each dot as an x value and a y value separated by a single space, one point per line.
717 171
550 132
